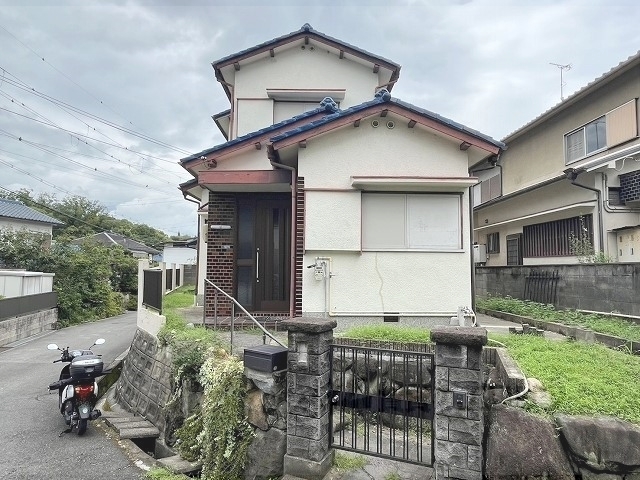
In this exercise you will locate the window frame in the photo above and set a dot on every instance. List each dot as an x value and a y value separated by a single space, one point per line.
459 247
493 242
583 129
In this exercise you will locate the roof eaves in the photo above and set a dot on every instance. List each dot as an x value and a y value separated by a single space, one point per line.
570 100
326 105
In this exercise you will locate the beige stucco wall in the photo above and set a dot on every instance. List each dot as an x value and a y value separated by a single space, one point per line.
538 155
248 159
408 283
310 69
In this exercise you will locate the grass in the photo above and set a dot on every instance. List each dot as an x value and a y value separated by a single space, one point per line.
392 476
583 379
394 333
345 462
598 323
163 474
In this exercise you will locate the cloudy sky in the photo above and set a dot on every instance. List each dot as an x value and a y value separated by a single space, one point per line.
102 98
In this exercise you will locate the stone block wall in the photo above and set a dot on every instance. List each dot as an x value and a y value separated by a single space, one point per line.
459 416
144 386
16 328
598 287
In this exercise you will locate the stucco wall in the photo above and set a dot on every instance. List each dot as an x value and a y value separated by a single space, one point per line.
20 225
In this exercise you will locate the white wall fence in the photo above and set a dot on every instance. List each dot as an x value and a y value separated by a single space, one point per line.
18 283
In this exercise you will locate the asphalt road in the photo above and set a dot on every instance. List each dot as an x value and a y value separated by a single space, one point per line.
30 422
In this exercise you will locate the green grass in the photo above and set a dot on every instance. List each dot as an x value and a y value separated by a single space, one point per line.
162 474
393 333
598 323
583 379
345 462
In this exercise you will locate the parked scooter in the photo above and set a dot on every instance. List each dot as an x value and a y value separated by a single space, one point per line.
77 386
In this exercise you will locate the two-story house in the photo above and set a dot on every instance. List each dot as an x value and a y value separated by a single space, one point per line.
331 197
572 172
15 215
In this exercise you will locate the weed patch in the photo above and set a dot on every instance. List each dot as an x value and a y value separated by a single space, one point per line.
346 462
394 333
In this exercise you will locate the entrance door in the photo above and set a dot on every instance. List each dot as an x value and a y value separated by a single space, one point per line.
264 249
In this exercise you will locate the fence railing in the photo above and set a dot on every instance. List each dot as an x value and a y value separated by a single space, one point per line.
153 292
234 304
17 306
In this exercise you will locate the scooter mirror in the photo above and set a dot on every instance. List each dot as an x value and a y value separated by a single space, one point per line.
99 341
52 346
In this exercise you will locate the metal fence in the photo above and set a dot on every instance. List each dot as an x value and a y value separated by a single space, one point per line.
542 287
153 292
169 279
17 306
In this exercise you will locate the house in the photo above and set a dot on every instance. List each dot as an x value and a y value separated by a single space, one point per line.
108 239
572 172
17 216
180 252
331 197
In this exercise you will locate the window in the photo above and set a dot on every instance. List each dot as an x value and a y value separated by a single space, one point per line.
493 242
487 189
551 239
411 221
586 140
514 249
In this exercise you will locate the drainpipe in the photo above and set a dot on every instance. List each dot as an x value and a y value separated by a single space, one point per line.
473 265
572 175
273 157
184 194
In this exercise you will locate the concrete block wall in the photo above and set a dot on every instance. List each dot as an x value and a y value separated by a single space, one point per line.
16 328
144 386
598 287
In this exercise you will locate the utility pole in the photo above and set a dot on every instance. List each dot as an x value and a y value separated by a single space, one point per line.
562 82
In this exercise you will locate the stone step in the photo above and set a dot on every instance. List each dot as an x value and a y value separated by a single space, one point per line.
177 464
138 432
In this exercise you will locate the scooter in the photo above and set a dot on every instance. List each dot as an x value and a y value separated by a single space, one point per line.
77 386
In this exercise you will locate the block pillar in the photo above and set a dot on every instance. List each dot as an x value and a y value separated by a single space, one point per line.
459 418
308 454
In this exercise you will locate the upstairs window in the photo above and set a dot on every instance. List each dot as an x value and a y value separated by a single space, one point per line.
586 140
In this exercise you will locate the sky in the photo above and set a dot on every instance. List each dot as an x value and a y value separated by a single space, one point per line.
103 98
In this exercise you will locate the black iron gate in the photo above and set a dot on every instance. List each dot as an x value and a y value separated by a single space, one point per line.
382 400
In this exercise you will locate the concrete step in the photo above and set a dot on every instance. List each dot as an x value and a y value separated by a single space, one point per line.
177 464
138 432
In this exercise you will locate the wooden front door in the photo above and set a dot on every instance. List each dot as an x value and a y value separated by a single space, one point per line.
264 253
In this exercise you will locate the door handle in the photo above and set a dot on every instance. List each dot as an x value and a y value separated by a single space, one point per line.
257 265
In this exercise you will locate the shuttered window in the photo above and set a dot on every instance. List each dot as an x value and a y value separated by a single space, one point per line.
551 239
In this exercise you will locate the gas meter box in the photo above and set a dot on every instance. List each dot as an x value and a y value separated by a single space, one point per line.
86 367
266 358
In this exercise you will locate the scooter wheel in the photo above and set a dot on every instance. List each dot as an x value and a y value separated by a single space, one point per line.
82 426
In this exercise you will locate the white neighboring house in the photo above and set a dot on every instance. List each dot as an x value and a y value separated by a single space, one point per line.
17 216
331 198
180 252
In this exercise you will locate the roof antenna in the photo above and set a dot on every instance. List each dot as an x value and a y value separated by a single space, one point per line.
562 82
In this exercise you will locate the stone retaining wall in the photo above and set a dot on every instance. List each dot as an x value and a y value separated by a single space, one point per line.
17 328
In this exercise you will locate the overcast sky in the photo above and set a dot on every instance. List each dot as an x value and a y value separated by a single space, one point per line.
144 66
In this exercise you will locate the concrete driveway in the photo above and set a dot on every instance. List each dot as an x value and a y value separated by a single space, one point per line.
30 423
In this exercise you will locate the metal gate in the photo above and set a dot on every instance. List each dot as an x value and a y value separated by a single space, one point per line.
381 400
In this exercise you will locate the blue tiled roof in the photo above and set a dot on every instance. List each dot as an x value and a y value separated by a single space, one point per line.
381 97
306 28
326 106
19 211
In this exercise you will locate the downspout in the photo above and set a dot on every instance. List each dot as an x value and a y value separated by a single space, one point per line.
184 195
572 175
272 154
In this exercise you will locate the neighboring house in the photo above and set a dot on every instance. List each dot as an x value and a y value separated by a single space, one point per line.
17 216
137 249
574 170
330 197
181 252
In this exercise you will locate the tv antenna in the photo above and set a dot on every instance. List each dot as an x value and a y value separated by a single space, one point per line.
562 82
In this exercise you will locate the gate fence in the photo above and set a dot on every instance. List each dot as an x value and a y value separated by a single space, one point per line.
381 400
542 287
